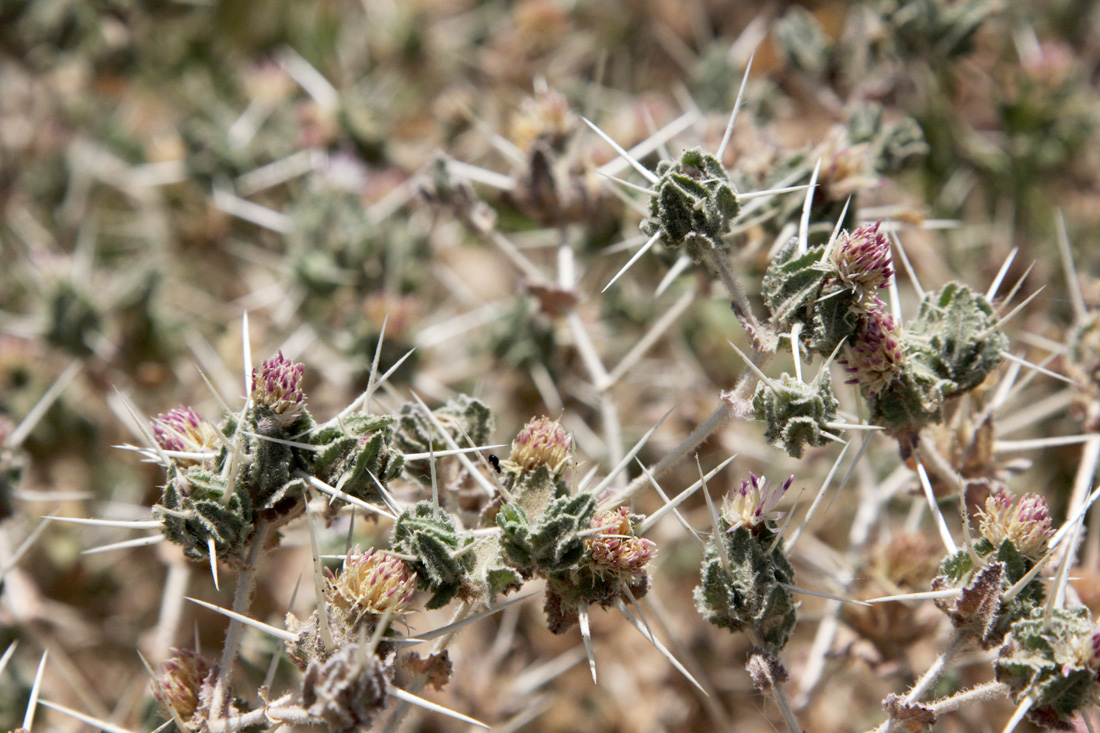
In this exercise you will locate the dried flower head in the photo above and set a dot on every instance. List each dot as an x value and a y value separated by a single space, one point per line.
180 683
542 442
875 356
182 430
277 385
751 505
862 262
617 546
372 582
545 116
1024 521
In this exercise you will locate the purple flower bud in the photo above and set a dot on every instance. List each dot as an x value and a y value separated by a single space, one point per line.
542 441
180 683
875 355
277 385
617 547
753 502
182 430
862 262
1024 521
371 582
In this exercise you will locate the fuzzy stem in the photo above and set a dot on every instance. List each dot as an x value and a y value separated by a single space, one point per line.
930 677
784 704
740 301
981 693
242 598
280 710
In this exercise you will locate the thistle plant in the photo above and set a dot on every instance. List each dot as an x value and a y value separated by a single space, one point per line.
417 348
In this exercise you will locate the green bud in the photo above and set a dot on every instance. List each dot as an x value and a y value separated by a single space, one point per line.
429 534
694 204
795 412
751 594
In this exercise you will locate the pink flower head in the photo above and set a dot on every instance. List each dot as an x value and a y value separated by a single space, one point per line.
182 430
372 582
277 385
753 502
875 354
617 547
1025 521
542 442
180 683
862 262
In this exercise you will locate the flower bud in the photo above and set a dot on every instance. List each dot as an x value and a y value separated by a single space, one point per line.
862 261
875 356
542 442
182 430
752 504
180 683
1024 521
277 385
616 546
373 582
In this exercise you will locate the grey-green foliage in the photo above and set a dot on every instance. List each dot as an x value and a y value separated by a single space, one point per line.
358 454
893 144
802 289
429 534
751 595
1042 658
11 473
694 204
796 413
950 348
548 542
981 607
462 417
201 494
803 42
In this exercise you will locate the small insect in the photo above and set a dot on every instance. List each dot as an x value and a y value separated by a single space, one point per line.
495 461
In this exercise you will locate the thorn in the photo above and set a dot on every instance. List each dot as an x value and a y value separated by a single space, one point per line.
755 369
749 195
817 500
213 561
728 135
630 456
124 523
248 621
32 702
586 636
646 173
103 725
905 261
35 414
1042 370
1075 294
637 255
719 538
152 539
808 592
996 284
682 263
434 707
804 222
628 184
945 535
836 232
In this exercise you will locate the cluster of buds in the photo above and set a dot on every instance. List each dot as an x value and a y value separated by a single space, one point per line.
542 442
181 430
617 547
277 386
875 356
796 414
1024 521
752 504
371 583
861 261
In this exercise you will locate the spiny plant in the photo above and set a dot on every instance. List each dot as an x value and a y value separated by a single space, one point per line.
429 254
